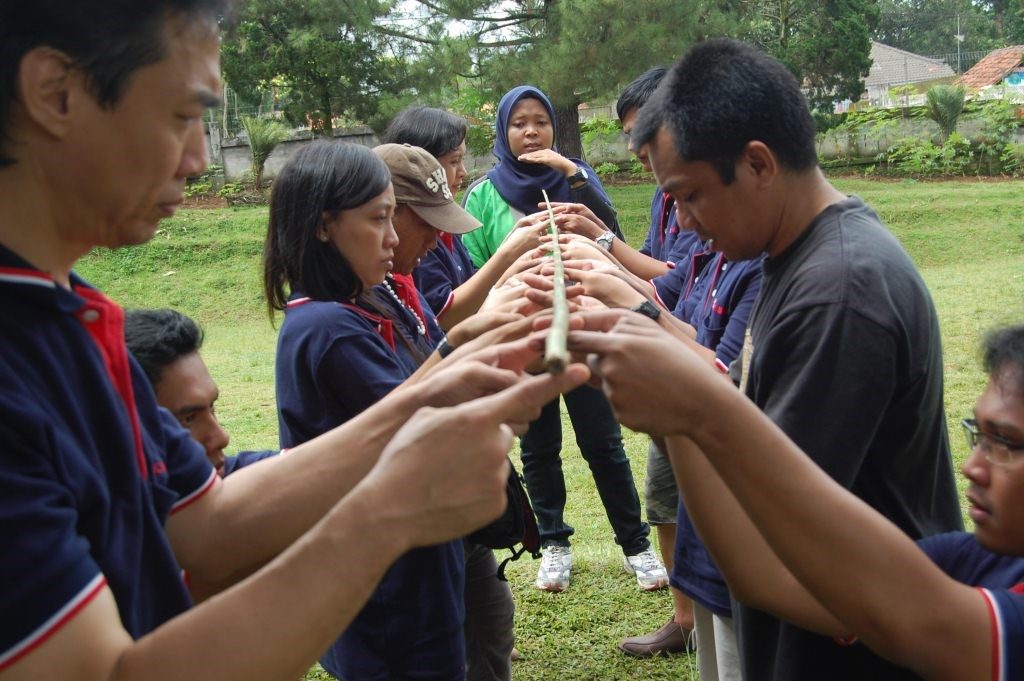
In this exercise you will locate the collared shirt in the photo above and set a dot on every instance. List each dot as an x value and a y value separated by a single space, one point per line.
334 360
90 467
1000 580
442 270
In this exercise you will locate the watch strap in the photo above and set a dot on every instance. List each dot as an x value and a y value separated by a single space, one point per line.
647 309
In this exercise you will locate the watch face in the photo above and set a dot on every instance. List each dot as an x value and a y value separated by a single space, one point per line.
648 309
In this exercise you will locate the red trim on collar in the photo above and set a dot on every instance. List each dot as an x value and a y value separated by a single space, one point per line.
384 327
447 239
103 320
20 275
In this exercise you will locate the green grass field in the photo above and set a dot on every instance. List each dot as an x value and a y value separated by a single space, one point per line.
967 238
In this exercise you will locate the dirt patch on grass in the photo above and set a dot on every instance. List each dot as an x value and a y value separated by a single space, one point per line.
205 202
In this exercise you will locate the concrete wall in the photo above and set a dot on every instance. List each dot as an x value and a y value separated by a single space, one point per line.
237 162
233 154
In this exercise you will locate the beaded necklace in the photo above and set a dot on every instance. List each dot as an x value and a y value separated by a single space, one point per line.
421 324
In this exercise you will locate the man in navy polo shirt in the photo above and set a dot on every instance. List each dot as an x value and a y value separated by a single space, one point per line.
104 499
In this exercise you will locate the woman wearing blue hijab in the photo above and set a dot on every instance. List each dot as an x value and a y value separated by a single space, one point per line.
528 163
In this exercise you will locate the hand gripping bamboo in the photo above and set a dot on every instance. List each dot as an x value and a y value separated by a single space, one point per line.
556 356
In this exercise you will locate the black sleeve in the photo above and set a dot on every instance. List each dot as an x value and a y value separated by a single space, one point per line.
592 199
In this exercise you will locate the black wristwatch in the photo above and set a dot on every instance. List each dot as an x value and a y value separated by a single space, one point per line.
647 309
444 348
579 178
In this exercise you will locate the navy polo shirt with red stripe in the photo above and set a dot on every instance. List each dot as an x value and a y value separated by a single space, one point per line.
442 270
90 467
334 360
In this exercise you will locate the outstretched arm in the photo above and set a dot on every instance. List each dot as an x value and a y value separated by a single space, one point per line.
442 475
577 218
250 517
868 574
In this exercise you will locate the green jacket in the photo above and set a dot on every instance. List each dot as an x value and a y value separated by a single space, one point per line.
483 202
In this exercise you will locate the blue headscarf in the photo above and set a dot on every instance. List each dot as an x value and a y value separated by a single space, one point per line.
520 183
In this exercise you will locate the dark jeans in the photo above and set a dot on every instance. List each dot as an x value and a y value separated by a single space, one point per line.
490 612
600 441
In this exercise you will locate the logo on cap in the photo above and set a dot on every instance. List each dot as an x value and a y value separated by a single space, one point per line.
437 180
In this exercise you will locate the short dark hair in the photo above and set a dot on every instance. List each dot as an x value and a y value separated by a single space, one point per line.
107 39
435 130
639 91
724 94
158 338
323 177
1003 357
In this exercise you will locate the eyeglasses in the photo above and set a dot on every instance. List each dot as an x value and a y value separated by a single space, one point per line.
996 449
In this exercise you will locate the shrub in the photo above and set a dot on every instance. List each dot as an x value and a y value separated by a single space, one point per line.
607 168
197 189
204 183
636 168
944 106
264 135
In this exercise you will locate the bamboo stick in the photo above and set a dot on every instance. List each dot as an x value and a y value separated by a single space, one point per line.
556 355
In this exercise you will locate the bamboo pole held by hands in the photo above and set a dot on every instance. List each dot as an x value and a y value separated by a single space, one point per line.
556 355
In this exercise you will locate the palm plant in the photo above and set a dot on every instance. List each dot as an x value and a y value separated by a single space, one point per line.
264 134
945 104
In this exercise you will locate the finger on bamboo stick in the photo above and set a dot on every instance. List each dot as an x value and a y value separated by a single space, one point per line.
556 355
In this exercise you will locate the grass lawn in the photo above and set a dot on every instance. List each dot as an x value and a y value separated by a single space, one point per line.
967 238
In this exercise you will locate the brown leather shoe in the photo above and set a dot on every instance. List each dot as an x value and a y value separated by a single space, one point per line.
670 639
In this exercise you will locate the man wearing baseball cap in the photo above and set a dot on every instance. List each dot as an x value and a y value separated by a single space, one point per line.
424 204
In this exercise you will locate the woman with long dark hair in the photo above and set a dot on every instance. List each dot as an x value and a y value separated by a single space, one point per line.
347 226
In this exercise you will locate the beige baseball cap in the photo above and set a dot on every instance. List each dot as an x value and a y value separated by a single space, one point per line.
420 183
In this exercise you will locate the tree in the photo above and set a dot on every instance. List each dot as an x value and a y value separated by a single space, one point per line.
929 27
320 57
827 45
945 104
264 134
574 50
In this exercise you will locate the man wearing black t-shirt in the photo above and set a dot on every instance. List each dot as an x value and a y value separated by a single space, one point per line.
843 350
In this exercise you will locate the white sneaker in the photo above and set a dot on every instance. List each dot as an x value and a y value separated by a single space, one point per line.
650 573
555 568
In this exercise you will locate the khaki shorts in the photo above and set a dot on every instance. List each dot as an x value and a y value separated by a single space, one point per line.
661 496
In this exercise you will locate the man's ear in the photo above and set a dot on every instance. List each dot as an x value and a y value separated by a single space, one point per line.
759 162
47 86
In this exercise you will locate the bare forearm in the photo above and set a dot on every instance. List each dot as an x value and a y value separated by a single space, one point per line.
754 573
861 567
275 624
262 509
641 265
468 297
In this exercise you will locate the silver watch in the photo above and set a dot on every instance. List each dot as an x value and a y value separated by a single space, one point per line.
605 240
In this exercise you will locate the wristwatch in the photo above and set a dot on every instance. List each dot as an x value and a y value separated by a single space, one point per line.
647 309
444 348
605 240
579 178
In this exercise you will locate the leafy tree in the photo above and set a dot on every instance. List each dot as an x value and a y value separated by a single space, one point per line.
827 44
320 57
929 27
574 50
264 135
